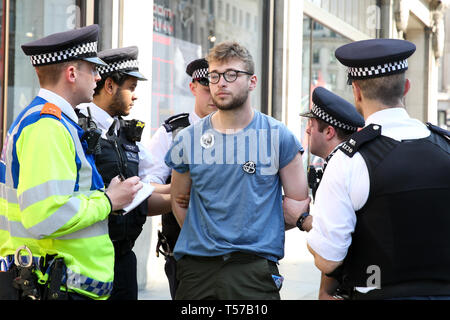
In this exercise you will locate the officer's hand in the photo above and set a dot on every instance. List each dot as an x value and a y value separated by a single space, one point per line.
183 200
121 193
292 209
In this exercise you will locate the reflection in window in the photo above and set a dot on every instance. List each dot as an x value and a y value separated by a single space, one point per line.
320 66
31 20
184 31
361 14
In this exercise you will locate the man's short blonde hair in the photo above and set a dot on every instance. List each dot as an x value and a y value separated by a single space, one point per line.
228 50
49 75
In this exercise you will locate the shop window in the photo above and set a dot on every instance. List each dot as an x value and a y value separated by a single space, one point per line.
228 12
31 20
361 14
184 32
319 45
443 120
3 127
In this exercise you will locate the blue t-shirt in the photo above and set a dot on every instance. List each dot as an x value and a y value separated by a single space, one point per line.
235 202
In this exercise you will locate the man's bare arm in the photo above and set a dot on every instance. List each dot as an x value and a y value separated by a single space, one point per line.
181 185
161 188
159 203
328 288
324 265
293 179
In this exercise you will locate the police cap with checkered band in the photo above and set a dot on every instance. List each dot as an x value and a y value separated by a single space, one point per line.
78 44
123 60
334 110
374 58
198 70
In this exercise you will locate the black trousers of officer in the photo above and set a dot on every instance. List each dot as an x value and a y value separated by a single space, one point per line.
171 272
125 285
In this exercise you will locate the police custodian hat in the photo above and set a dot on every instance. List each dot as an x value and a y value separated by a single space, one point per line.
198 70
78 44
123 60
373 58
334 110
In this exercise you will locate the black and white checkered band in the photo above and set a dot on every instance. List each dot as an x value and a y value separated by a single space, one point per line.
124 65
200 73
321 114
384 69
82 50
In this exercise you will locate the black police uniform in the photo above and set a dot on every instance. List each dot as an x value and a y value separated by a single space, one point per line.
118 155
405 190
336 112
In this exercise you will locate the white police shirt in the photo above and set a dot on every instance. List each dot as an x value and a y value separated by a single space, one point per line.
158 147
345 186
104 122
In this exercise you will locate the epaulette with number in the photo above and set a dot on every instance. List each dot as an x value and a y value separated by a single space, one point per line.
356 140
177 121
52 110
439 131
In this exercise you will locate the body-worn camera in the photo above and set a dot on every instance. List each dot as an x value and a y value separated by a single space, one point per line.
314 177
132 129
91 133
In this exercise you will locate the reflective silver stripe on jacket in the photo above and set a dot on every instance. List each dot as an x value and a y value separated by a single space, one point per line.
17 230
44 191
8 155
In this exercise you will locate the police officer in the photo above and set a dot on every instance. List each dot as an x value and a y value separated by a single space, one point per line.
120 153
382 186
56 208
161 142
332 120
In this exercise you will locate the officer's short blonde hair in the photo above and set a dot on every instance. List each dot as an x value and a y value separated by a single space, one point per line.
228 50
49 75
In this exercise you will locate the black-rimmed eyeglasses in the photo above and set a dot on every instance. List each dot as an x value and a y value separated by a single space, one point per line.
229 76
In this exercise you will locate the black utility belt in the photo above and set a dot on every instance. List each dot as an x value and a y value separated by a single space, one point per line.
20 282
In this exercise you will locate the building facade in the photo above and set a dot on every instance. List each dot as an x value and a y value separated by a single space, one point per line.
292 42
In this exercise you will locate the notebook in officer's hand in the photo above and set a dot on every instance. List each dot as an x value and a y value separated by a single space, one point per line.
142 194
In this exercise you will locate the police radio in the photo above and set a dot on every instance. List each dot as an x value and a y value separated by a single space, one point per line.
133 129
91 134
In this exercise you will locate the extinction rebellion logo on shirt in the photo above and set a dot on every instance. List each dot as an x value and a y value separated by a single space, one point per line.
251 149
249 167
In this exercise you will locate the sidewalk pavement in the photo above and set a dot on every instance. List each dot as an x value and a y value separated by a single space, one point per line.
301 277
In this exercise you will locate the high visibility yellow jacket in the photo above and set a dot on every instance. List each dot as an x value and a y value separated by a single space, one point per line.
52 198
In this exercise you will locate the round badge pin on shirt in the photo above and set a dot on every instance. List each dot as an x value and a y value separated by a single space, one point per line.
249 167
207 140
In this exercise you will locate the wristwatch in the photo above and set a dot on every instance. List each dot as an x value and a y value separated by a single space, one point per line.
301 219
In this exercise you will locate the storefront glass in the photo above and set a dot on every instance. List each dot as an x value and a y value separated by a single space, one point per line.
31 20
361 14
185 30
320 66
2 70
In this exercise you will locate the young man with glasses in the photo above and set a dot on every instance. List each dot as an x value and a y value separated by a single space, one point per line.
234 162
